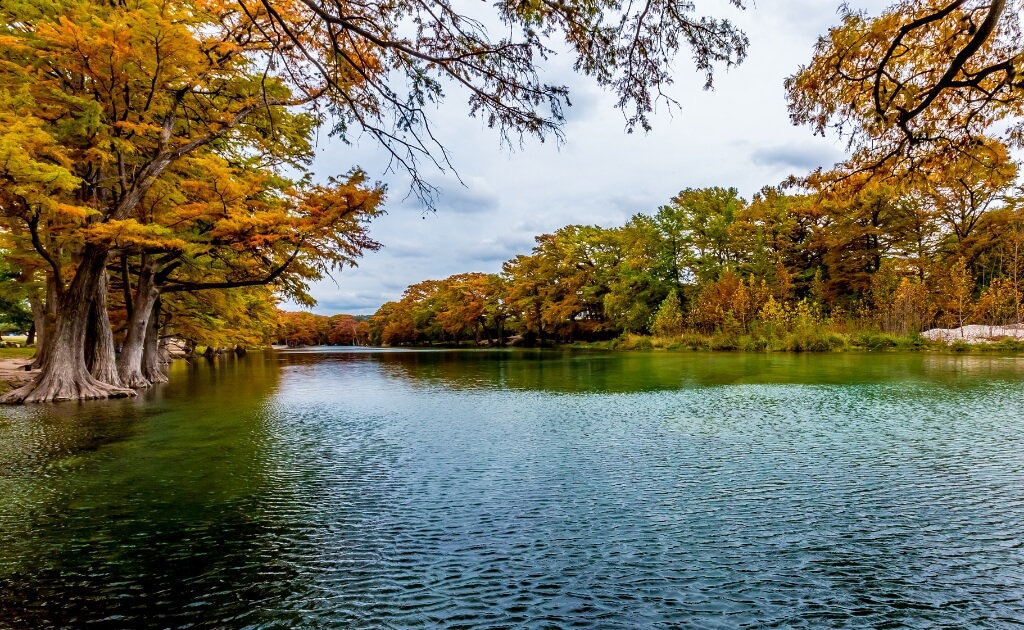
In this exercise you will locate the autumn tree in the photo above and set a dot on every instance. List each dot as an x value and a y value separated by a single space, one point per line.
219 318
225 226
102 103
957 294
923 85
700 218
527 293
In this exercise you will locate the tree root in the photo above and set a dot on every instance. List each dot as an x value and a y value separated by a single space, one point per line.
108 374
156 376
135 380
53 388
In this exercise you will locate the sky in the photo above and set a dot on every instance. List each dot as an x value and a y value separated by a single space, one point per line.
738 135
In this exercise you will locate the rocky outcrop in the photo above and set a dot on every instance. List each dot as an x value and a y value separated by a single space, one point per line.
975 333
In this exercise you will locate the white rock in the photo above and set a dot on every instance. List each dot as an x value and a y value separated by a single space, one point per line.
975 333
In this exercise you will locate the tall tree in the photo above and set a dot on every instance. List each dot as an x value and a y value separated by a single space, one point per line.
105 101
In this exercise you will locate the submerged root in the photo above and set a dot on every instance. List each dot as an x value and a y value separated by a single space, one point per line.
53 388
135 380
155 375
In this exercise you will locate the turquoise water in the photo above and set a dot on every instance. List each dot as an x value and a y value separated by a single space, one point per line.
500 489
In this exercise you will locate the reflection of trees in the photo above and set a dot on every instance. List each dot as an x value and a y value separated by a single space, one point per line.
140 508
601 372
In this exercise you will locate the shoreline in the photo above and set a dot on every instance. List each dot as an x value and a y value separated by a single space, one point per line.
13 373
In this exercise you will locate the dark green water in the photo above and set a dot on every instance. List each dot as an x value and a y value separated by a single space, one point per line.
492 489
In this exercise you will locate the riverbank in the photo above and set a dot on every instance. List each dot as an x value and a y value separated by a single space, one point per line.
12 367
816 341
793 343
14 360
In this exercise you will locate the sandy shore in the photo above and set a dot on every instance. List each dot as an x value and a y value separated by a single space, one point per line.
13 371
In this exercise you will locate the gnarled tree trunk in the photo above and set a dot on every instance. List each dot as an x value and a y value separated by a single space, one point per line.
44 314
129 364
99 348
65 375
152 366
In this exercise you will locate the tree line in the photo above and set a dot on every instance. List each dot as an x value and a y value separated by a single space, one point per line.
868 257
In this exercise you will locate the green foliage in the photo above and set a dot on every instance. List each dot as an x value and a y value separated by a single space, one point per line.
668 321
801 273
15 315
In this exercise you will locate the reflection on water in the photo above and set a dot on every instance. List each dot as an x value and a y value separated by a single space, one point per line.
603 372
507 489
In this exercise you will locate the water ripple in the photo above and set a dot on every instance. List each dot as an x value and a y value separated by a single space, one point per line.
353 494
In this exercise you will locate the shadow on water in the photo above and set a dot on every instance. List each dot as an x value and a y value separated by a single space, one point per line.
111 510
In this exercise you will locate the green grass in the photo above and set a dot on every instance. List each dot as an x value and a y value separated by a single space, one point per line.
17 353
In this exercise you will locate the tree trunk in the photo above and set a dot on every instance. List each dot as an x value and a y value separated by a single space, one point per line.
129 364
31 339
64 373
44 312
152 367
99 351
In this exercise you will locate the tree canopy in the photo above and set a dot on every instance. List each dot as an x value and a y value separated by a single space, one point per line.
406 53
924 84
711 269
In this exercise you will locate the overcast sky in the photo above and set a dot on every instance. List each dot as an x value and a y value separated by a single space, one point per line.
737 135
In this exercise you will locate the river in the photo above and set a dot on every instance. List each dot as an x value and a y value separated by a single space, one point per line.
490 489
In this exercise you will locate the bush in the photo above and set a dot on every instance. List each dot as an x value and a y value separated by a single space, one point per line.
1007 344
877 341
724 341
695 341
814 341
630 341
754 343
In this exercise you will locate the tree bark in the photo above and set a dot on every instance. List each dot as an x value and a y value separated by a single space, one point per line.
129 364
44 313
64 373
99 352
38 321
152 366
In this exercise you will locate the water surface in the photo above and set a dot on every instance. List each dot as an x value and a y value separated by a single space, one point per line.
524 489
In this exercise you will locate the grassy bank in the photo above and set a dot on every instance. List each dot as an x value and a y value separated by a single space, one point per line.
816 341
17 353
